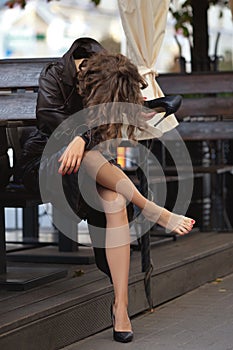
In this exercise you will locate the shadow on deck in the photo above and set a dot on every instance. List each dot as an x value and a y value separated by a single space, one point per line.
67 310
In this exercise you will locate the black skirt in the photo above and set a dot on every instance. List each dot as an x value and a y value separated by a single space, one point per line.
48 170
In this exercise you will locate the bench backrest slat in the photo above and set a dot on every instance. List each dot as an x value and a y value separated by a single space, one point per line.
202 83
21 73
205 106
204 94
18 107
203 131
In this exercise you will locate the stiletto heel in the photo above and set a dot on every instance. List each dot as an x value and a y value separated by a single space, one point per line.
168 104
122 337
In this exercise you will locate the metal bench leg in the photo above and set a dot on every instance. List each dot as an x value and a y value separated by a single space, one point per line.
30 222
22 278
65 243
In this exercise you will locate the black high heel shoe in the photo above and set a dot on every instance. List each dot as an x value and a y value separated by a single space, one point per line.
122 337
167 104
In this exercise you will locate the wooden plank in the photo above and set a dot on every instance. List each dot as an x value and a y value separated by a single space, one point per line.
88 274
15 73
10 301
21 73
26 60
202 83
166 284
194 131
17 107
191 245
216 169
21 107
206 106
37 303
28 298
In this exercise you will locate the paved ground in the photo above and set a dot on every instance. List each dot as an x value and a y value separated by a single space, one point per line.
199 320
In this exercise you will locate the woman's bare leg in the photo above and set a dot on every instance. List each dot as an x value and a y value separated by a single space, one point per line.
118 253
113 178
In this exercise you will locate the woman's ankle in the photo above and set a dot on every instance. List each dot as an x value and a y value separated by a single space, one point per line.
152 211
120 304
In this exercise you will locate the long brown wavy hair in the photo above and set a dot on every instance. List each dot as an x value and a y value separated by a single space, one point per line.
106 79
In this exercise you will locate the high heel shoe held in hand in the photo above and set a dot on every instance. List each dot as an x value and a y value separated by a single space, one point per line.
167 104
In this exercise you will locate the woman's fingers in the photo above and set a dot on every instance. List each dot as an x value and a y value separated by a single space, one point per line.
72 156
63 168
64 164
72 166
77 165
69 165
148 116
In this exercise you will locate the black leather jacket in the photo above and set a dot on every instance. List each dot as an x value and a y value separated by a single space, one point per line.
57 99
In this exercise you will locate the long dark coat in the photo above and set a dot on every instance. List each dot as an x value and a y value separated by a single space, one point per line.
57 100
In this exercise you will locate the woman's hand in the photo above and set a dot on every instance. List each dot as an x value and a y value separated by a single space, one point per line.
72 156
148 116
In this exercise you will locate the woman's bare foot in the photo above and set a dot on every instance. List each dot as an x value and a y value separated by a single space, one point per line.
172 222
177 223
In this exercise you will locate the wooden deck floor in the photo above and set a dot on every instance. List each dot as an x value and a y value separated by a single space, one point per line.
76 306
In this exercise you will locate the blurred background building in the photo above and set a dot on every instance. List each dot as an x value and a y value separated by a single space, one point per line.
45 29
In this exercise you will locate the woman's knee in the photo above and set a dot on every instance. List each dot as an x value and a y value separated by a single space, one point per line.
112 202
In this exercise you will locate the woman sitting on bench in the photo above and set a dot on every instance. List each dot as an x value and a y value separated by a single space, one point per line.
102 79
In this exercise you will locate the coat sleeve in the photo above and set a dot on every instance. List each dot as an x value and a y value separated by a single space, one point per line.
55 103
51 109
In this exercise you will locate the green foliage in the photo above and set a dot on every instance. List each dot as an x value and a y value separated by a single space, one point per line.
96 2
12 3
184 15
183 18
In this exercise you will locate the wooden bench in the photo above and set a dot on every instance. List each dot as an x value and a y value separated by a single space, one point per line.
206 122
205 114
205 125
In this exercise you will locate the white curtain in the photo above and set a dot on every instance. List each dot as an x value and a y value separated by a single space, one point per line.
144 23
